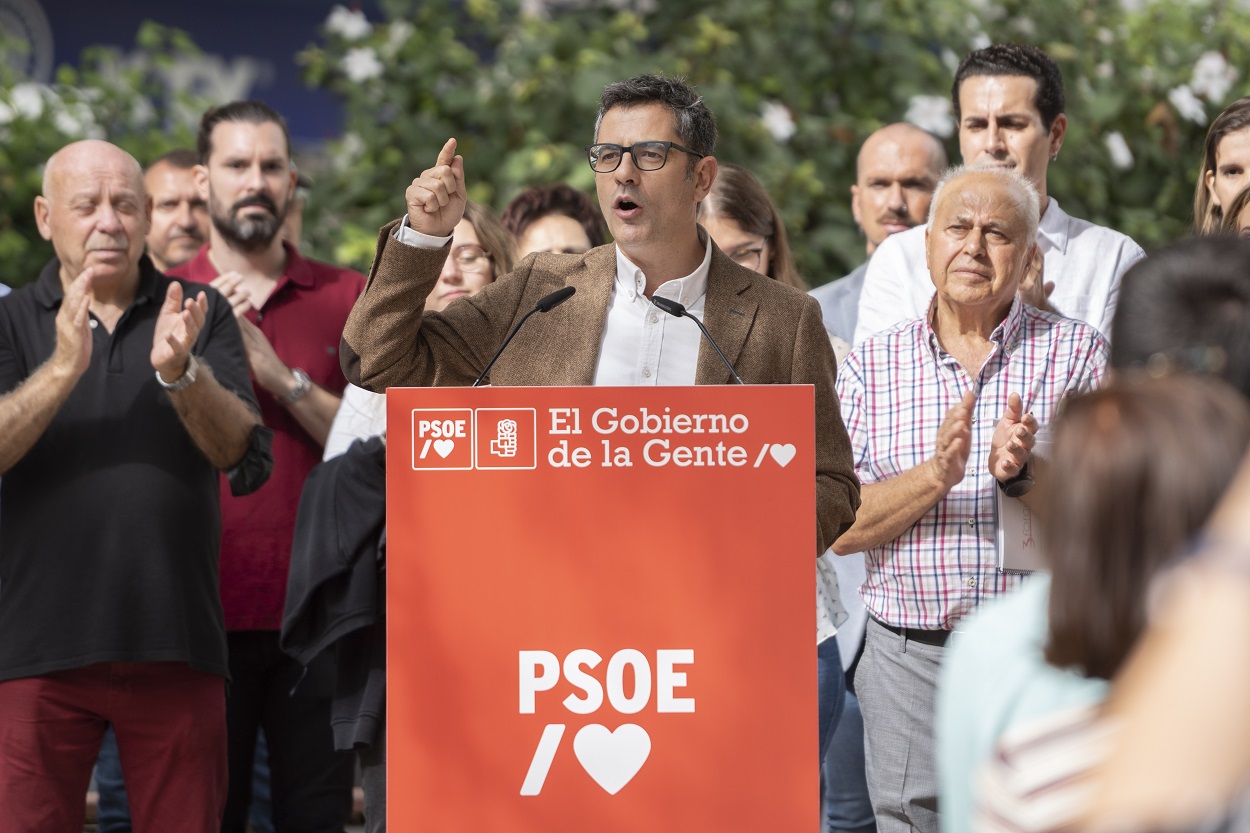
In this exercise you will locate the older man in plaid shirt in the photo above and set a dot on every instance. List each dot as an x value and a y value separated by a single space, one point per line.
943 412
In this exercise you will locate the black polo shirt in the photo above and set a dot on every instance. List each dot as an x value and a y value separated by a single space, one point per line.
108 547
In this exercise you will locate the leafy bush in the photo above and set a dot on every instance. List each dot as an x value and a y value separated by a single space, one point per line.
796 85
123 101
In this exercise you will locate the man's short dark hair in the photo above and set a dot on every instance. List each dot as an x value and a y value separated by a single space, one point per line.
694 123
1186 307
252 112
184 159
1021 60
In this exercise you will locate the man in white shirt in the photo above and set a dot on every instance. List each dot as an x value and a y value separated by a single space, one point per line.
1009 102
653 164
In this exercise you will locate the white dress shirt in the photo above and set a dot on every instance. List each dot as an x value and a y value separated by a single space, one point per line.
642 344
361 414
1084 261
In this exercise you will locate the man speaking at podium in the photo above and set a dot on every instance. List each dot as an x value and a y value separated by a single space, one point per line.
653 163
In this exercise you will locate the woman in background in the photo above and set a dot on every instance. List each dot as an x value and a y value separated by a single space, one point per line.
1136 470
746 225
1225 166
481 250
554 218
1236 222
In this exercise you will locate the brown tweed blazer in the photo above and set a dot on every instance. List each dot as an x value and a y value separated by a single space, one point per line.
771 334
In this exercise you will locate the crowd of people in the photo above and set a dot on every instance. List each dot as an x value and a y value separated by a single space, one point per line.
189 403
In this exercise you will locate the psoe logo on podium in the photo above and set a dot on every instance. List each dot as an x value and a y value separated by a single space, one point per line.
442 439
507 438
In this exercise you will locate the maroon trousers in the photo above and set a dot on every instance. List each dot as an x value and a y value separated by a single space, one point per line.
170 722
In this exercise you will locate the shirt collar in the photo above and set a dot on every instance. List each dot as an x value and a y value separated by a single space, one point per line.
1006 335
1054 226
49 292
298 270
631 281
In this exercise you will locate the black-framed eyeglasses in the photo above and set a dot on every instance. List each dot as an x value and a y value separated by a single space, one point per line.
606 157
471 258
748 257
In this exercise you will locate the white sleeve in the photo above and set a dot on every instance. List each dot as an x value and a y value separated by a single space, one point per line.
1129 254
881 301
361 414
409 236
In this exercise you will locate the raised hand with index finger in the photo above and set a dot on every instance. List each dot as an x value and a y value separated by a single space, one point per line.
437 198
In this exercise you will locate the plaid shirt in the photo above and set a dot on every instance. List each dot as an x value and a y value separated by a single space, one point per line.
895 389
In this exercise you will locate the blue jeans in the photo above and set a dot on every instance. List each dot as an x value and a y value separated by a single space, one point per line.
847 808
114 808
830 690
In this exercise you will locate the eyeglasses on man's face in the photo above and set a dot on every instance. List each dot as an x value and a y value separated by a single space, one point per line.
606 157
470 258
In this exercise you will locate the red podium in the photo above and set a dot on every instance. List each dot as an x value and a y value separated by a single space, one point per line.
600 610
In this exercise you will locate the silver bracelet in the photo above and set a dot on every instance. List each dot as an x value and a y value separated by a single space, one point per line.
182 382
303 384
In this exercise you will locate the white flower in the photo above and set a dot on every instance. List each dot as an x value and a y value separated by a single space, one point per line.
931 113
980 40
67 124
950 60
1213 77
348 24
1105 70
142 113
350 150
1121 156
1188 104
27 100
362 64
778 120
399 33
76 119
6 114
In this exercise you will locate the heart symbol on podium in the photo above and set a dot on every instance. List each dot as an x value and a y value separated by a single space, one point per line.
612 758
444 447
783 454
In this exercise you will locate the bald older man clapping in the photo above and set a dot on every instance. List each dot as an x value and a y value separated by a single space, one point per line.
122 394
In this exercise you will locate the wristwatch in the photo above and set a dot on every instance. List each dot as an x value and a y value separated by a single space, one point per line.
1020 485
182 382
303 384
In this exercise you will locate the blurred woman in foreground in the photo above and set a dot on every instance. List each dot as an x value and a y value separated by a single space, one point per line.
1135 471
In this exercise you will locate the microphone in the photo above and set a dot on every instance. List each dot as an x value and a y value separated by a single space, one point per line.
677 310
545 304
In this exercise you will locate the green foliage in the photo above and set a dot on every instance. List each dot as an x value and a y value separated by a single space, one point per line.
519 91
121 99
796 84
